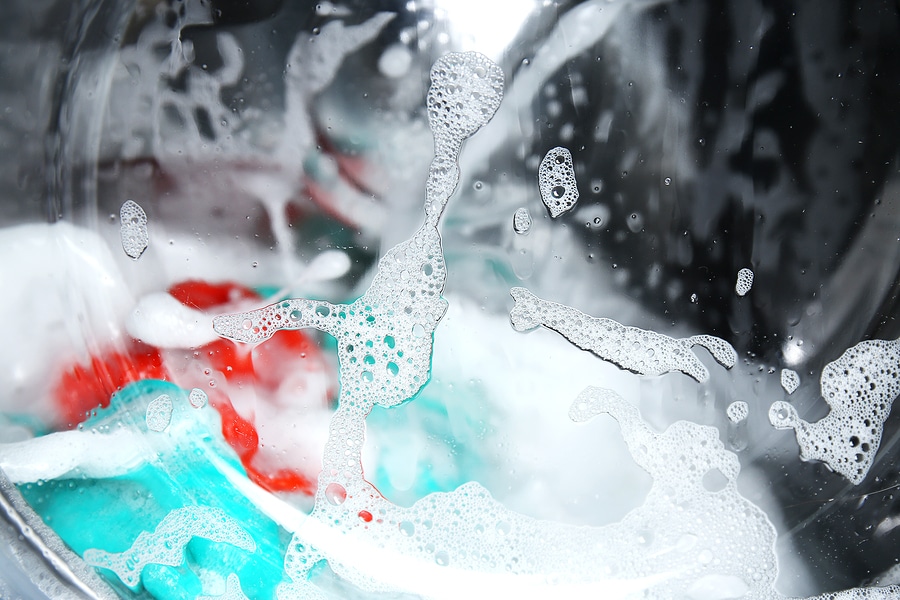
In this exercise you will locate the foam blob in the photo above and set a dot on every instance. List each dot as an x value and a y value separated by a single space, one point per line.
744 282
860 387
556 180
522 221
133 229
790 380
165 546
198 398
638 350
737 411
159 413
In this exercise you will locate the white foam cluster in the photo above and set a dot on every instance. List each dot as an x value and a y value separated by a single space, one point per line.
638 350
133 229
522 221
744 282
159 413
233 590
737 411
198 398
860 387
790 380
556 180
165 546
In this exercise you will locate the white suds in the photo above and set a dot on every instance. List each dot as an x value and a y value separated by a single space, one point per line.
556 180
133 229
744 282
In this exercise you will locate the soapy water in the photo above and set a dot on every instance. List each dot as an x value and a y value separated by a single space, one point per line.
233 590
646 553
649 552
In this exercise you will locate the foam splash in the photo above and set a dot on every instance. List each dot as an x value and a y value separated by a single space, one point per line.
638 350
860 387
556 180
133 229
165 546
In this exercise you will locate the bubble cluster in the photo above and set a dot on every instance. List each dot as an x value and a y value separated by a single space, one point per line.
159 413
466 89
556 180
744 282
790 380
522 221
198 398
165 546
133 229
860 387
737 411
638 350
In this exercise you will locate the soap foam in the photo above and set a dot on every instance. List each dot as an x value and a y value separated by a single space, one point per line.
522 221
165 546
385 337
556 180
679 543
198 398
133 229
744 282
790 380
737 411
638 350
860 387
159 413
233 590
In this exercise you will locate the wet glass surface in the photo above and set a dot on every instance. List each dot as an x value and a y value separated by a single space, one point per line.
607 307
